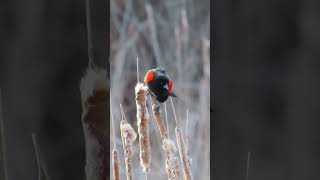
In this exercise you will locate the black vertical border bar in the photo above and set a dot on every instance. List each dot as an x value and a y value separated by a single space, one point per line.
99 53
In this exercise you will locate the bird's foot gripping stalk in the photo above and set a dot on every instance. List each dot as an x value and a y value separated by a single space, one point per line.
155 104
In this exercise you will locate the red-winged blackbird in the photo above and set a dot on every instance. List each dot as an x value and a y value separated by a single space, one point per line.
159 84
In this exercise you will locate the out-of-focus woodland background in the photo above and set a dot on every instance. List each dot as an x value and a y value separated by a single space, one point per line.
265 72
266 89
174 35
43 55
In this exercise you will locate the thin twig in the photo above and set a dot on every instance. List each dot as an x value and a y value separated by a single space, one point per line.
187 131
248 165
138 70
174 112
3 145
115 158
166 114
183 155
122 113
89 33
36 149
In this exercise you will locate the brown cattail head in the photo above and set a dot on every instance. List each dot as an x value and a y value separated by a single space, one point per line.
143 126
128 136
172 162
183 155
115 165
95 104
140 91
93 82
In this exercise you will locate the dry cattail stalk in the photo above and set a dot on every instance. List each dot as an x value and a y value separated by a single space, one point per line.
115 164
158 118
143 126
95 111
115 156
166 116
128 136
89 34
36 149
138 70
187 145
172 162
183 155
42 170
174 112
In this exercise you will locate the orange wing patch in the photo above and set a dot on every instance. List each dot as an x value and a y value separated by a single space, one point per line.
149 76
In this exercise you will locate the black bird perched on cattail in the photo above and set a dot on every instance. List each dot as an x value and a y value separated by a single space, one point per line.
159 84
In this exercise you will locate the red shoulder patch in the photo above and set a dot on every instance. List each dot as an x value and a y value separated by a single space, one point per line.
149 76
170 86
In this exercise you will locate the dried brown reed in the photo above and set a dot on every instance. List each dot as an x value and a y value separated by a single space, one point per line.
128 136
187 175
36 149
115 156
158 118
115 164
94 99
171 162
143 126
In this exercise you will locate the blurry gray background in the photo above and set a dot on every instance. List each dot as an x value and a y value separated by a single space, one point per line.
174 34
266 89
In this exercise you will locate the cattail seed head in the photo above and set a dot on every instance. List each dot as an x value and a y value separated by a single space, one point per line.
143 126
172 162
95 104
128 136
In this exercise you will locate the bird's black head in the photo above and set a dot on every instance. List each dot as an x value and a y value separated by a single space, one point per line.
161 70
